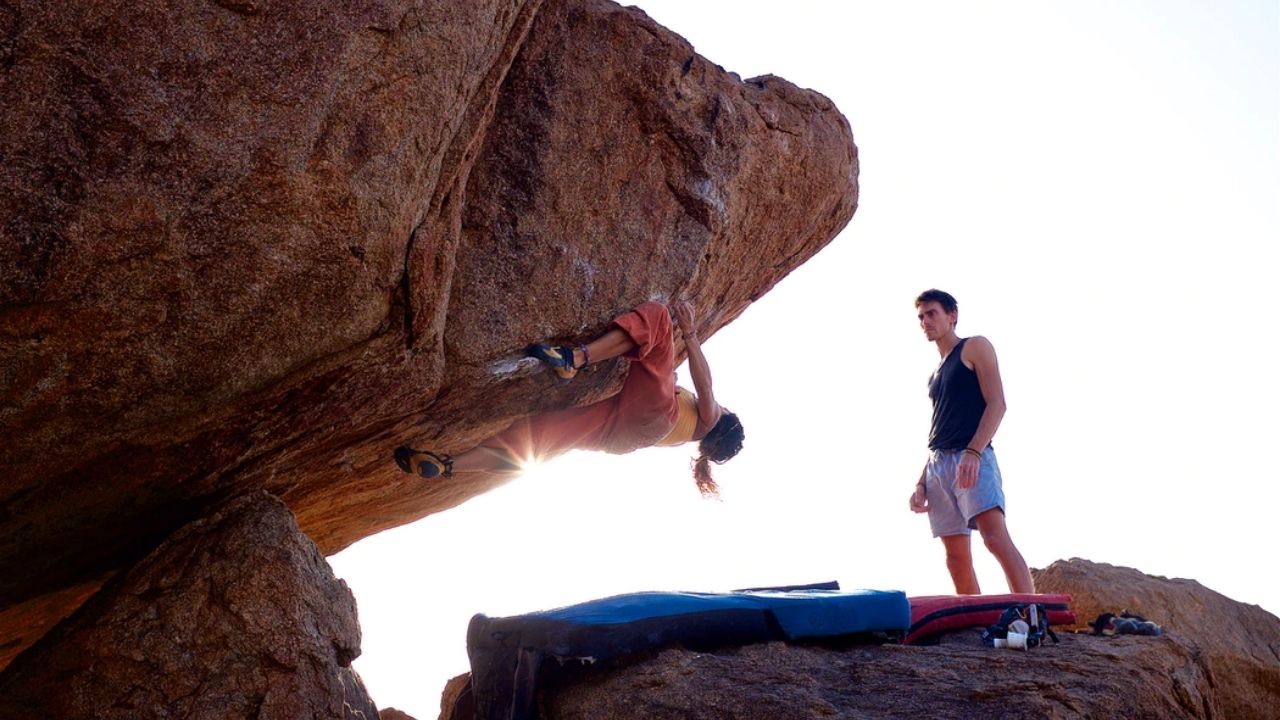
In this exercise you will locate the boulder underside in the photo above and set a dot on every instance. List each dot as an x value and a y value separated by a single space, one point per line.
274 241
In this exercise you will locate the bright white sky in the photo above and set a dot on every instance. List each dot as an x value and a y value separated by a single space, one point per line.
1096 181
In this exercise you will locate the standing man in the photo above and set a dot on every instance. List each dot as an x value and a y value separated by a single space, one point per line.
960 486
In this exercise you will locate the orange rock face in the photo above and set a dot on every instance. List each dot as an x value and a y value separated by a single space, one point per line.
236 615
1238 644
256 245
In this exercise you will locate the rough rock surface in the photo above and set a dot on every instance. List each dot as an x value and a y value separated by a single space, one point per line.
1082 677
1238 644
236 615
274 240
1217 659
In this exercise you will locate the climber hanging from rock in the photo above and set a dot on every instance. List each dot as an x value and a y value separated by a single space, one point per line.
649 410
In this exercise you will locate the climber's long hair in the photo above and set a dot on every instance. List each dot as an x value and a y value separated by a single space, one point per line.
719 446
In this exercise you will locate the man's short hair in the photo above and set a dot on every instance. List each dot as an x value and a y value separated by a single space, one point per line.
944 299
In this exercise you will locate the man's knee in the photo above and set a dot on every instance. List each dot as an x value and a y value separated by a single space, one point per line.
661 318
654 326
990 523
997 544
995 534
653 312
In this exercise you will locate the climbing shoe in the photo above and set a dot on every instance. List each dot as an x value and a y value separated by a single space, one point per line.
559 357
424 463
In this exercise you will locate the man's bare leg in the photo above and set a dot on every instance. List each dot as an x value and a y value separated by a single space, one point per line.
995 535
960 564
613 343
483 459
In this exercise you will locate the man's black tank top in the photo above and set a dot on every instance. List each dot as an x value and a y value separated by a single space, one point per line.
957 403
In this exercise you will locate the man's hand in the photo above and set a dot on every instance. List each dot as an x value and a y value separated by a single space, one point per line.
967 471
919 500
685 317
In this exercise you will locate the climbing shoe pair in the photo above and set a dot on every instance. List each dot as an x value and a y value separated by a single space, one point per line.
424 463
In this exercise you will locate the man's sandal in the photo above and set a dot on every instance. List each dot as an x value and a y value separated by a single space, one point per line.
424 463
560 358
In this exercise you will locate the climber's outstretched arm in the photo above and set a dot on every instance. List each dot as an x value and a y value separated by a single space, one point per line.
708 409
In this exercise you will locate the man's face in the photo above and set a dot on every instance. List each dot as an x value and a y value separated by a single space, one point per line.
935 322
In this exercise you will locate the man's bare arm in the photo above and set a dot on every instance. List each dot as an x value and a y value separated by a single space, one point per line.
979 355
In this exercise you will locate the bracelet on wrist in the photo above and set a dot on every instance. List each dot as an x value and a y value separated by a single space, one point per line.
975 453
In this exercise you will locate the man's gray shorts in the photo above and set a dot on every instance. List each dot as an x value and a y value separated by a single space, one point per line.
951 509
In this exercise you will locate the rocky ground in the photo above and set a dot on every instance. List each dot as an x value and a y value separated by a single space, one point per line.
235 615
1082 677
1218 658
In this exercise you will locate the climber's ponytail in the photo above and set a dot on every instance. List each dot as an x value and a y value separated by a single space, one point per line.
721 443
702 475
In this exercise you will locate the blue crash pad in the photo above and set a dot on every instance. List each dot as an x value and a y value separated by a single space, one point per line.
507 654
802 615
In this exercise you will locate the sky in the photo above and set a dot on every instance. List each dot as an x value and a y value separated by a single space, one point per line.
1098 184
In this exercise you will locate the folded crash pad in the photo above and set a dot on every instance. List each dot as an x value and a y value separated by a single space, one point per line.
935 614
507 654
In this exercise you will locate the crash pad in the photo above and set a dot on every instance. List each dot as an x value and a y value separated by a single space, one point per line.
932 615
507 654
